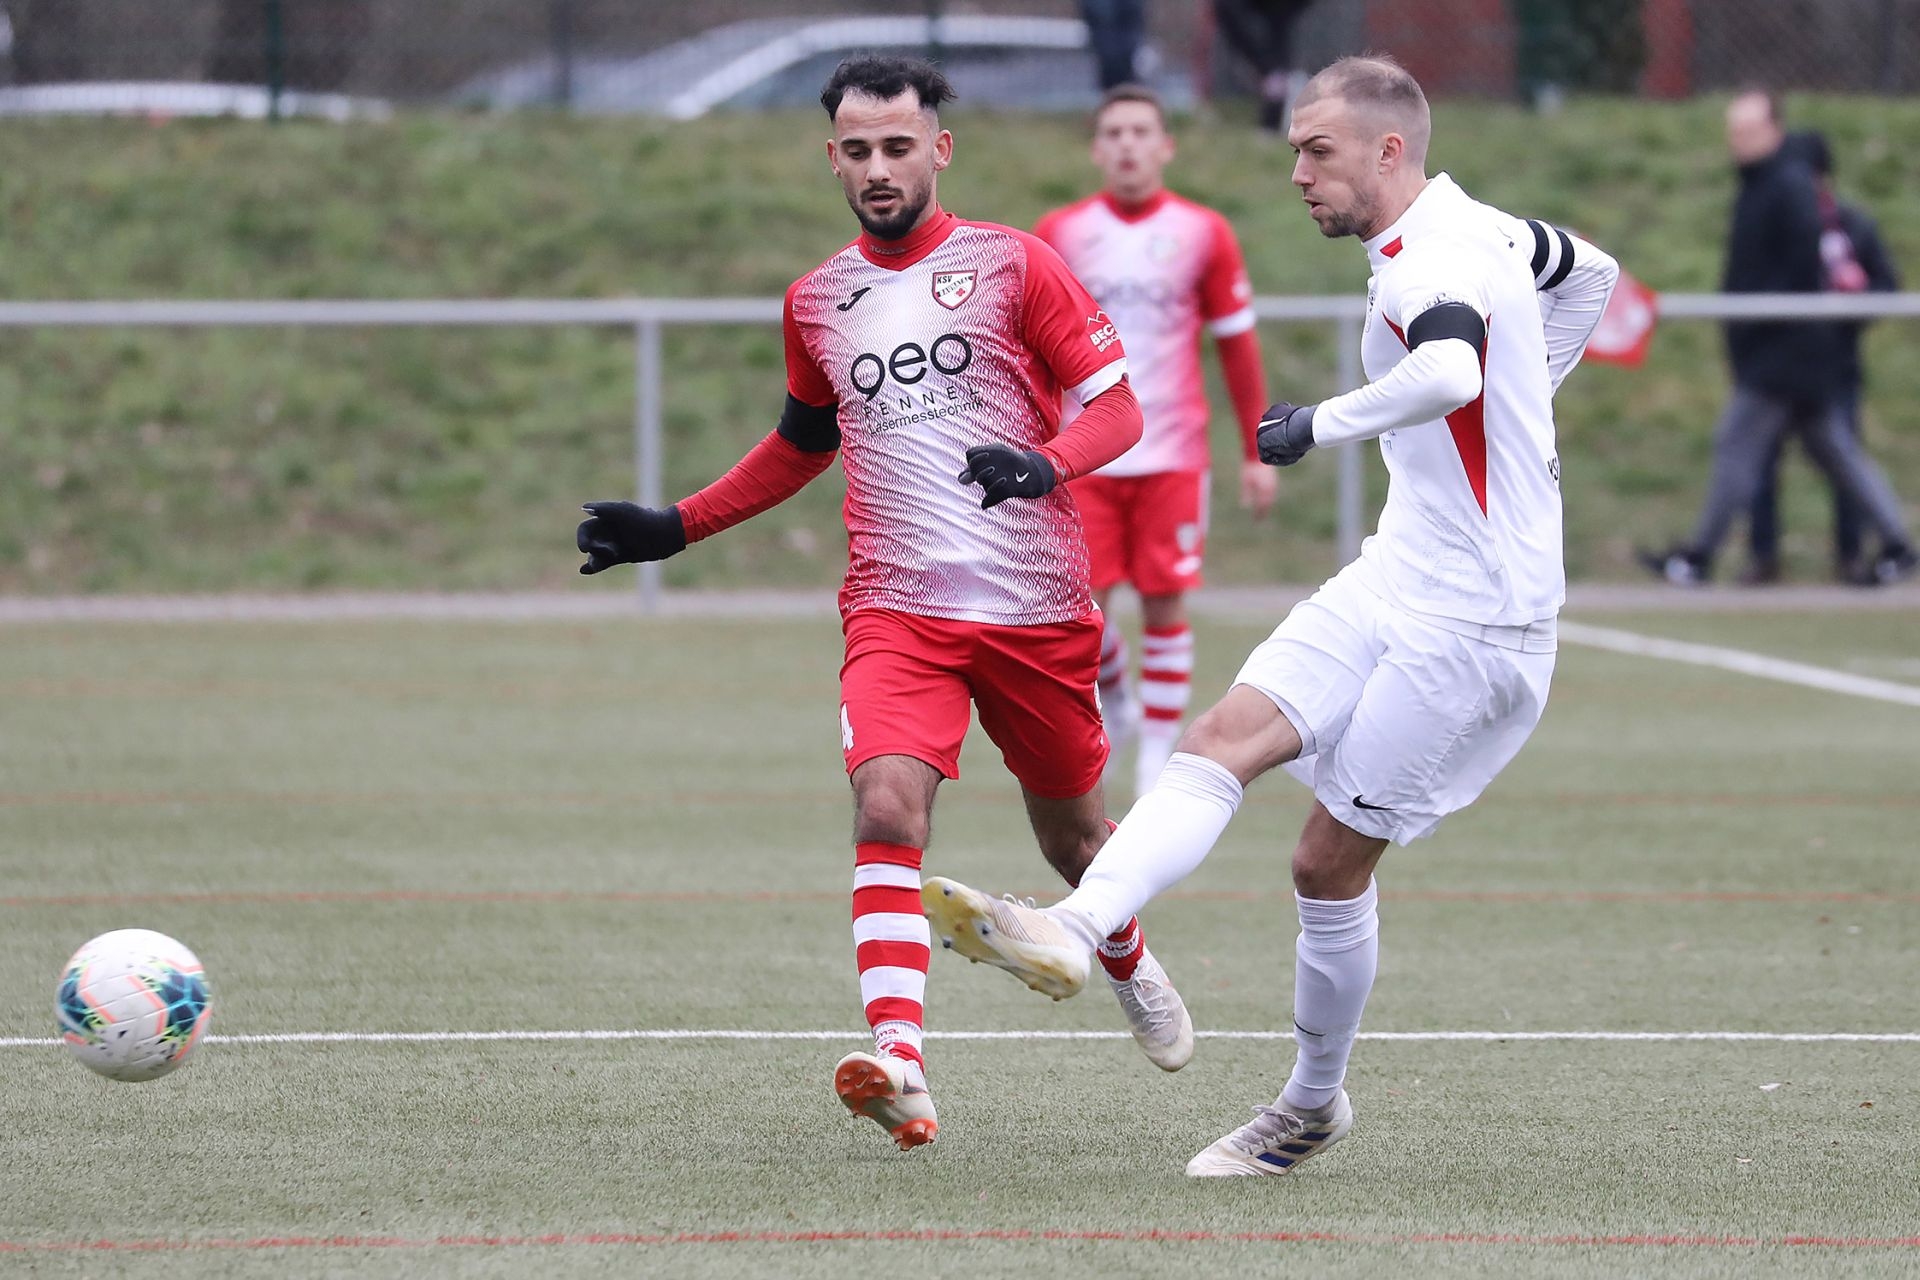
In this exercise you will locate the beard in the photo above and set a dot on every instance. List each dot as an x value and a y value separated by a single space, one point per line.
1353 221
892 225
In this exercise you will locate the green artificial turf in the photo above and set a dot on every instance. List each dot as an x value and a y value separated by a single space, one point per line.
457 827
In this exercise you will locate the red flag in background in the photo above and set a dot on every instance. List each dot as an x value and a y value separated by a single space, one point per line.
1625 330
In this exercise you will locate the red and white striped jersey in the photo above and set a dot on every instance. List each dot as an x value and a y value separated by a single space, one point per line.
963 334
1161 270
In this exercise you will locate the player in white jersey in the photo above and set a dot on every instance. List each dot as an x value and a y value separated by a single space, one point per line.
1163 267
931 354
1409 680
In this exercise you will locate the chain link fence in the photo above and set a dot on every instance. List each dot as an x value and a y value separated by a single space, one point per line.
618 54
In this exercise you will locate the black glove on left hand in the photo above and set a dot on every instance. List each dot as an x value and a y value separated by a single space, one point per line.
1286 433
1006 472
627 533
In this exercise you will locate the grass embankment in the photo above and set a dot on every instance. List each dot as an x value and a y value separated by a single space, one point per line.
440 458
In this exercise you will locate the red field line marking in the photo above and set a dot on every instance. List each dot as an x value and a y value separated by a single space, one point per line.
1643 1240
454 896
416 799
837 796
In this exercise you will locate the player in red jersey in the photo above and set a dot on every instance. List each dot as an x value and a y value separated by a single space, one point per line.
931 354
1163 267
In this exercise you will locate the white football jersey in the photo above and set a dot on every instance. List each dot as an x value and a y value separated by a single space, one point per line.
1471 530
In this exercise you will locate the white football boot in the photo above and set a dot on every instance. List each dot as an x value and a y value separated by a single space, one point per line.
1156 1014
877 1086
1276 1140
1015 936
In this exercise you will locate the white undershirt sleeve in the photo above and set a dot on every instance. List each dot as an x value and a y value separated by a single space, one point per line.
1103 379
1433 380
1575 280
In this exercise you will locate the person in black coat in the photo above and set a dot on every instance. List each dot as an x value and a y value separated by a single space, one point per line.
1855 260
1116 29
1261 31
1785 372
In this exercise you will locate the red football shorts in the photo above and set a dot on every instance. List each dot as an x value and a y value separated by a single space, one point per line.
1149 530
908 679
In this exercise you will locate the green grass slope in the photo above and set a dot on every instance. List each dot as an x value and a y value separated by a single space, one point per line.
449 458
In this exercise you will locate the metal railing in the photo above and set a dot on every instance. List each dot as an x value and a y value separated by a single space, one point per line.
649 317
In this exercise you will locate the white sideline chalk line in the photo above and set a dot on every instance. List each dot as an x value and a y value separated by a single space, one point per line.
851 1033
1749 664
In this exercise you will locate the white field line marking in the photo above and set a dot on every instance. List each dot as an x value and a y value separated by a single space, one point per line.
1750 664
680 1033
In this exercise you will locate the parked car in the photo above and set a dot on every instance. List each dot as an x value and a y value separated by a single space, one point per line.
1018 62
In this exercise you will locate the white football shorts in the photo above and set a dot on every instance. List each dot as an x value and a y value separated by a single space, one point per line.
1402 721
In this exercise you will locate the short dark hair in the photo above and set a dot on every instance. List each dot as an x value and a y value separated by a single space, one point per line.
1130 93
885 76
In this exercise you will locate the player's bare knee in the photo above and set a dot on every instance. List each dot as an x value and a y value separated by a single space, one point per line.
1315 872
889 816
1333 862
889 811
1244 732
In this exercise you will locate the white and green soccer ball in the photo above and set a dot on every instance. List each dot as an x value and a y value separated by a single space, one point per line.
132 1004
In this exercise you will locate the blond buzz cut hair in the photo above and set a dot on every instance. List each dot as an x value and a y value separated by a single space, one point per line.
1377 86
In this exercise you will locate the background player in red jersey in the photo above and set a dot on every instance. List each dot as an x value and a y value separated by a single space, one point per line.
1162 267
931 354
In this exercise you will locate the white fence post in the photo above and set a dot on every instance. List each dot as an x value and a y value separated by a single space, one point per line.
646 443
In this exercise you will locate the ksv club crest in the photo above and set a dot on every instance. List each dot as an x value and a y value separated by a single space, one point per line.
951 288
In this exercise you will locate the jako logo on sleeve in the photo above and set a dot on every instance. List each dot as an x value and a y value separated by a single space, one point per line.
1100 331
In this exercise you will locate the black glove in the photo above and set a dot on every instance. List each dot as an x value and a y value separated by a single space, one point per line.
1285 435
1006 472
626 533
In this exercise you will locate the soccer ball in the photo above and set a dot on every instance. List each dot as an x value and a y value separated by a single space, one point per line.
132 1004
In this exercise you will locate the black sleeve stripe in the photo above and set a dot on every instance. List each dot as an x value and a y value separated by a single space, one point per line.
1540 250
810 428
1448 320
1566 260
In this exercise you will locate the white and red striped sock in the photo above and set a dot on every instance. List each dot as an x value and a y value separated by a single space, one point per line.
891 946
1120 950
1166 682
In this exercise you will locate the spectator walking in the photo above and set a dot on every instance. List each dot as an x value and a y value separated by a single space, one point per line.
1856 261
1261 31
1117 29
1785 372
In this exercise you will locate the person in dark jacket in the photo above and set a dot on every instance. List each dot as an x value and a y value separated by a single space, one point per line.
1855 259
1784 371
1261 31
1116 29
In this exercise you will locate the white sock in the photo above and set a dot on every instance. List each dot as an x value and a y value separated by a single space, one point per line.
1338 951
1168 832
1157 741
